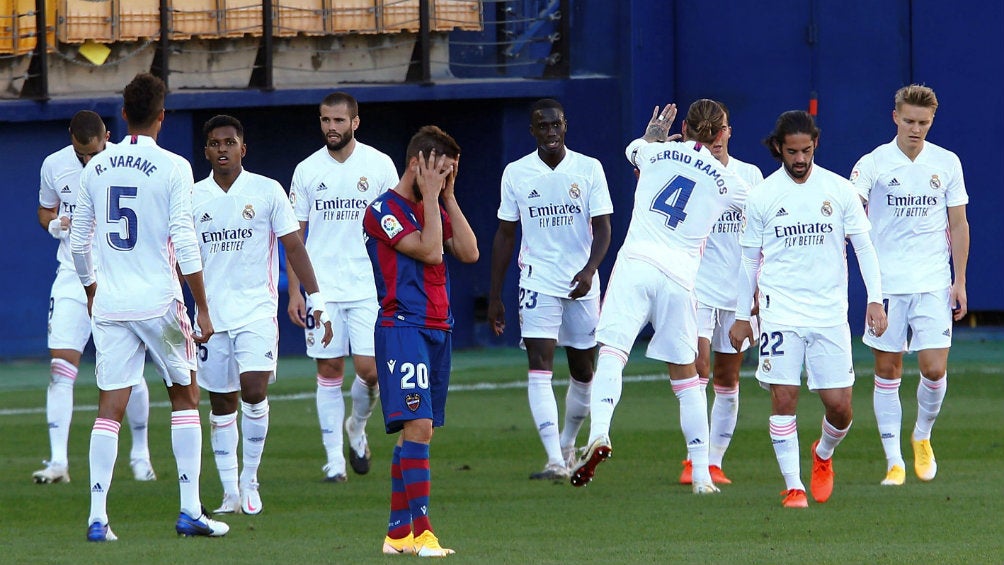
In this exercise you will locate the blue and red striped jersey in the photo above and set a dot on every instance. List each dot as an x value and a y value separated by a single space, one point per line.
411 293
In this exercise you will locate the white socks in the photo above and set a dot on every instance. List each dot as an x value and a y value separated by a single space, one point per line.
830 439
694 424
364 399
331 414
224 437
930 395
254 424
889 417
724 413
103 452
544 409
186 440
576 411
59 408
138 414
606 390
784 436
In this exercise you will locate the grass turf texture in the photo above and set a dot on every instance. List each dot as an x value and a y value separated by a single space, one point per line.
483 505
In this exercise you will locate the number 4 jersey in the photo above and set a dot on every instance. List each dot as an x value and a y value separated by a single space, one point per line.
136 202
682 190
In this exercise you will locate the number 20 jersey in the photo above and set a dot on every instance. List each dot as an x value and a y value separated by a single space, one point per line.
682 191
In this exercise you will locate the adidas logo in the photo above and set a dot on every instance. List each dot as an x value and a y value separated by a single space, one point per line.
894 182
781 212
607 401
947 333
268 355
97 488
256 439
322 187
534 194
65 190
183 478
545 425
695 441
206 218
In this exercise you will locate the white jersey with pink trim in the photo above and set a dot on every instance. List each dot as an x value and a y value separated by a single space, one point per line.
555 208
238 233
332 197
717 280
801 230
682 191
908 205
134 212
58 187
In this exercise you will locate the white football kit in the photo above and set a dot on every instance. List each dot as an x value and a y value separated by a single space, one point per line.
716 287
801 230
332 198
69 323
134 212
238 233
908 205
682 191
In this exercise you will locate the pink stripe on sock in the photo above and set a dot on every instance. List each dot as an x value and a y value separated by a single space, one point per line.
541 373
726 390
833 432
787 429
326 382
933 385
106 425
679 386
615 352
888 385
178 420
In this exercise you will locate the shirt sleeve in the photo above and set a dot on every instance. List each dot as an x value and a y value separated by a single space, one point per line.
863 176
298 195
385 224
508 207
182 228
599 197
283 218
855 218
955 194
82 225
48 197
751 232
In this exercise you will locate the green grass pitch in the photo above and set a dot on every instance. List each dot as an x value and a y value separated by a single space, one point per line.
483 505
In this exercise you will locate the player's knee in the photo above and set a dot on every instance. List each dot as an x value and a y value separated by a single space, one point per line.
255 410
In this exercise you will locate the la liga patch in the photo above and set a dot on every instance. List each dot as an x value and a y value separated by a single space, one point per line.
391 226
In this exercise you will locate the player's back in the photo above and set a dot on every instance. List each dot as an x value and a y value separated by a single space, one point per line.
140 197
682 191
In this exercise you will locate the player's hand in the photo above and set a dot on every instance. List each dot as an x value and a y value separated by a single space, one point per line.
451 179
322 319
658 126
205 327
958 301
90 291
740 331
297 309
581 283
431 175
496 316
875 319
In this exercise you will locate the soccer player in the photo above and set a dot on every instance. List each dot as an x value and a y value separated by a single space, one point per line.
716 292
69 323
239 217
134 213
798 219
682 191
330 190
916 200
561 202
409 228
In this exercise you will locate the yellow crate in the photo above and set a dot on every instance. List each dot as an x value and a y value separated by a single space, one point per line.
80 20
456 14
198 18
17 26
354 16
138 19
293 17
240 17
398 16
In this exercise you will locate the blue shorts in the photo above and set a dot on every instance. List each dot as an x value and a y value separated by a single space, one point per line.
413 367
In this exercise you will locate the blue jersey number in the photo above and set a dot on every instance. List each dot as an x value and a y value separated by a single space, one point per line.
775 349
116 211
672 199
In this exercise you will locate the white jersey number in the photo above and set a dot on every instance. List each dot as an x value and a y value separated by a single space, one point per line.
414 375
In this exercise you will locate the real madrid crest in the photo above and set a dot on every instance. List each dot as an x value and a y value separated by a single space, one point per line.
292 198
574 191
310 339
363 185
248 212
827 209
766 365
935 182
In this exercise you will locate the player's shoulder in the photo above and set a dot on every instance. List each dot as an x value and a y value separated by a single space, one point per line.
940 154
61 159
313 160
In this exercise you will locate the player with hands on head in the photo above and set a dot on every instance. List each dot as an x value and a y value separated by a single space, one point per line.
240 218
409 229
798 220
560 200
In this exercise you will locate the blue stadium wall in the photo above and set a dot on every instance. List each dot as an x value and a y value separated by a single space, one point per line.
761 58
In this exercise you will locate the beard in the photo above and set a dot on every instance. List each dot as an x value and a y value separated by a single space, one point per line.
416 192
799 174
344 140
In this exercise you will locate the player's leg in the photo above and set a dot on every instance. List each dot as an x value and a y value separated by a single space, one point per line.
931 321
138 415
725 380
224 437
399 538
365 390
255 351
330 402
830 369
578 336
888 353
707 317
539 321
781 354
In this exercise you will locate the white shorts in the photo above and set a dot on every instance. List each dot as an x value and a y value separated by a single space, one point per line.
826 353
571 322
351 322
122 346
925 319
713 324
227 354
639 293
69 323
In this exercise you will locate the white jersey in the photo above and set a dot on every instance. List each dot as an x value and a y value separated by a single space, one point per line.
238 233
332 197
58 187
135 207
801 230
554 208
907 205
717 284
682 191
